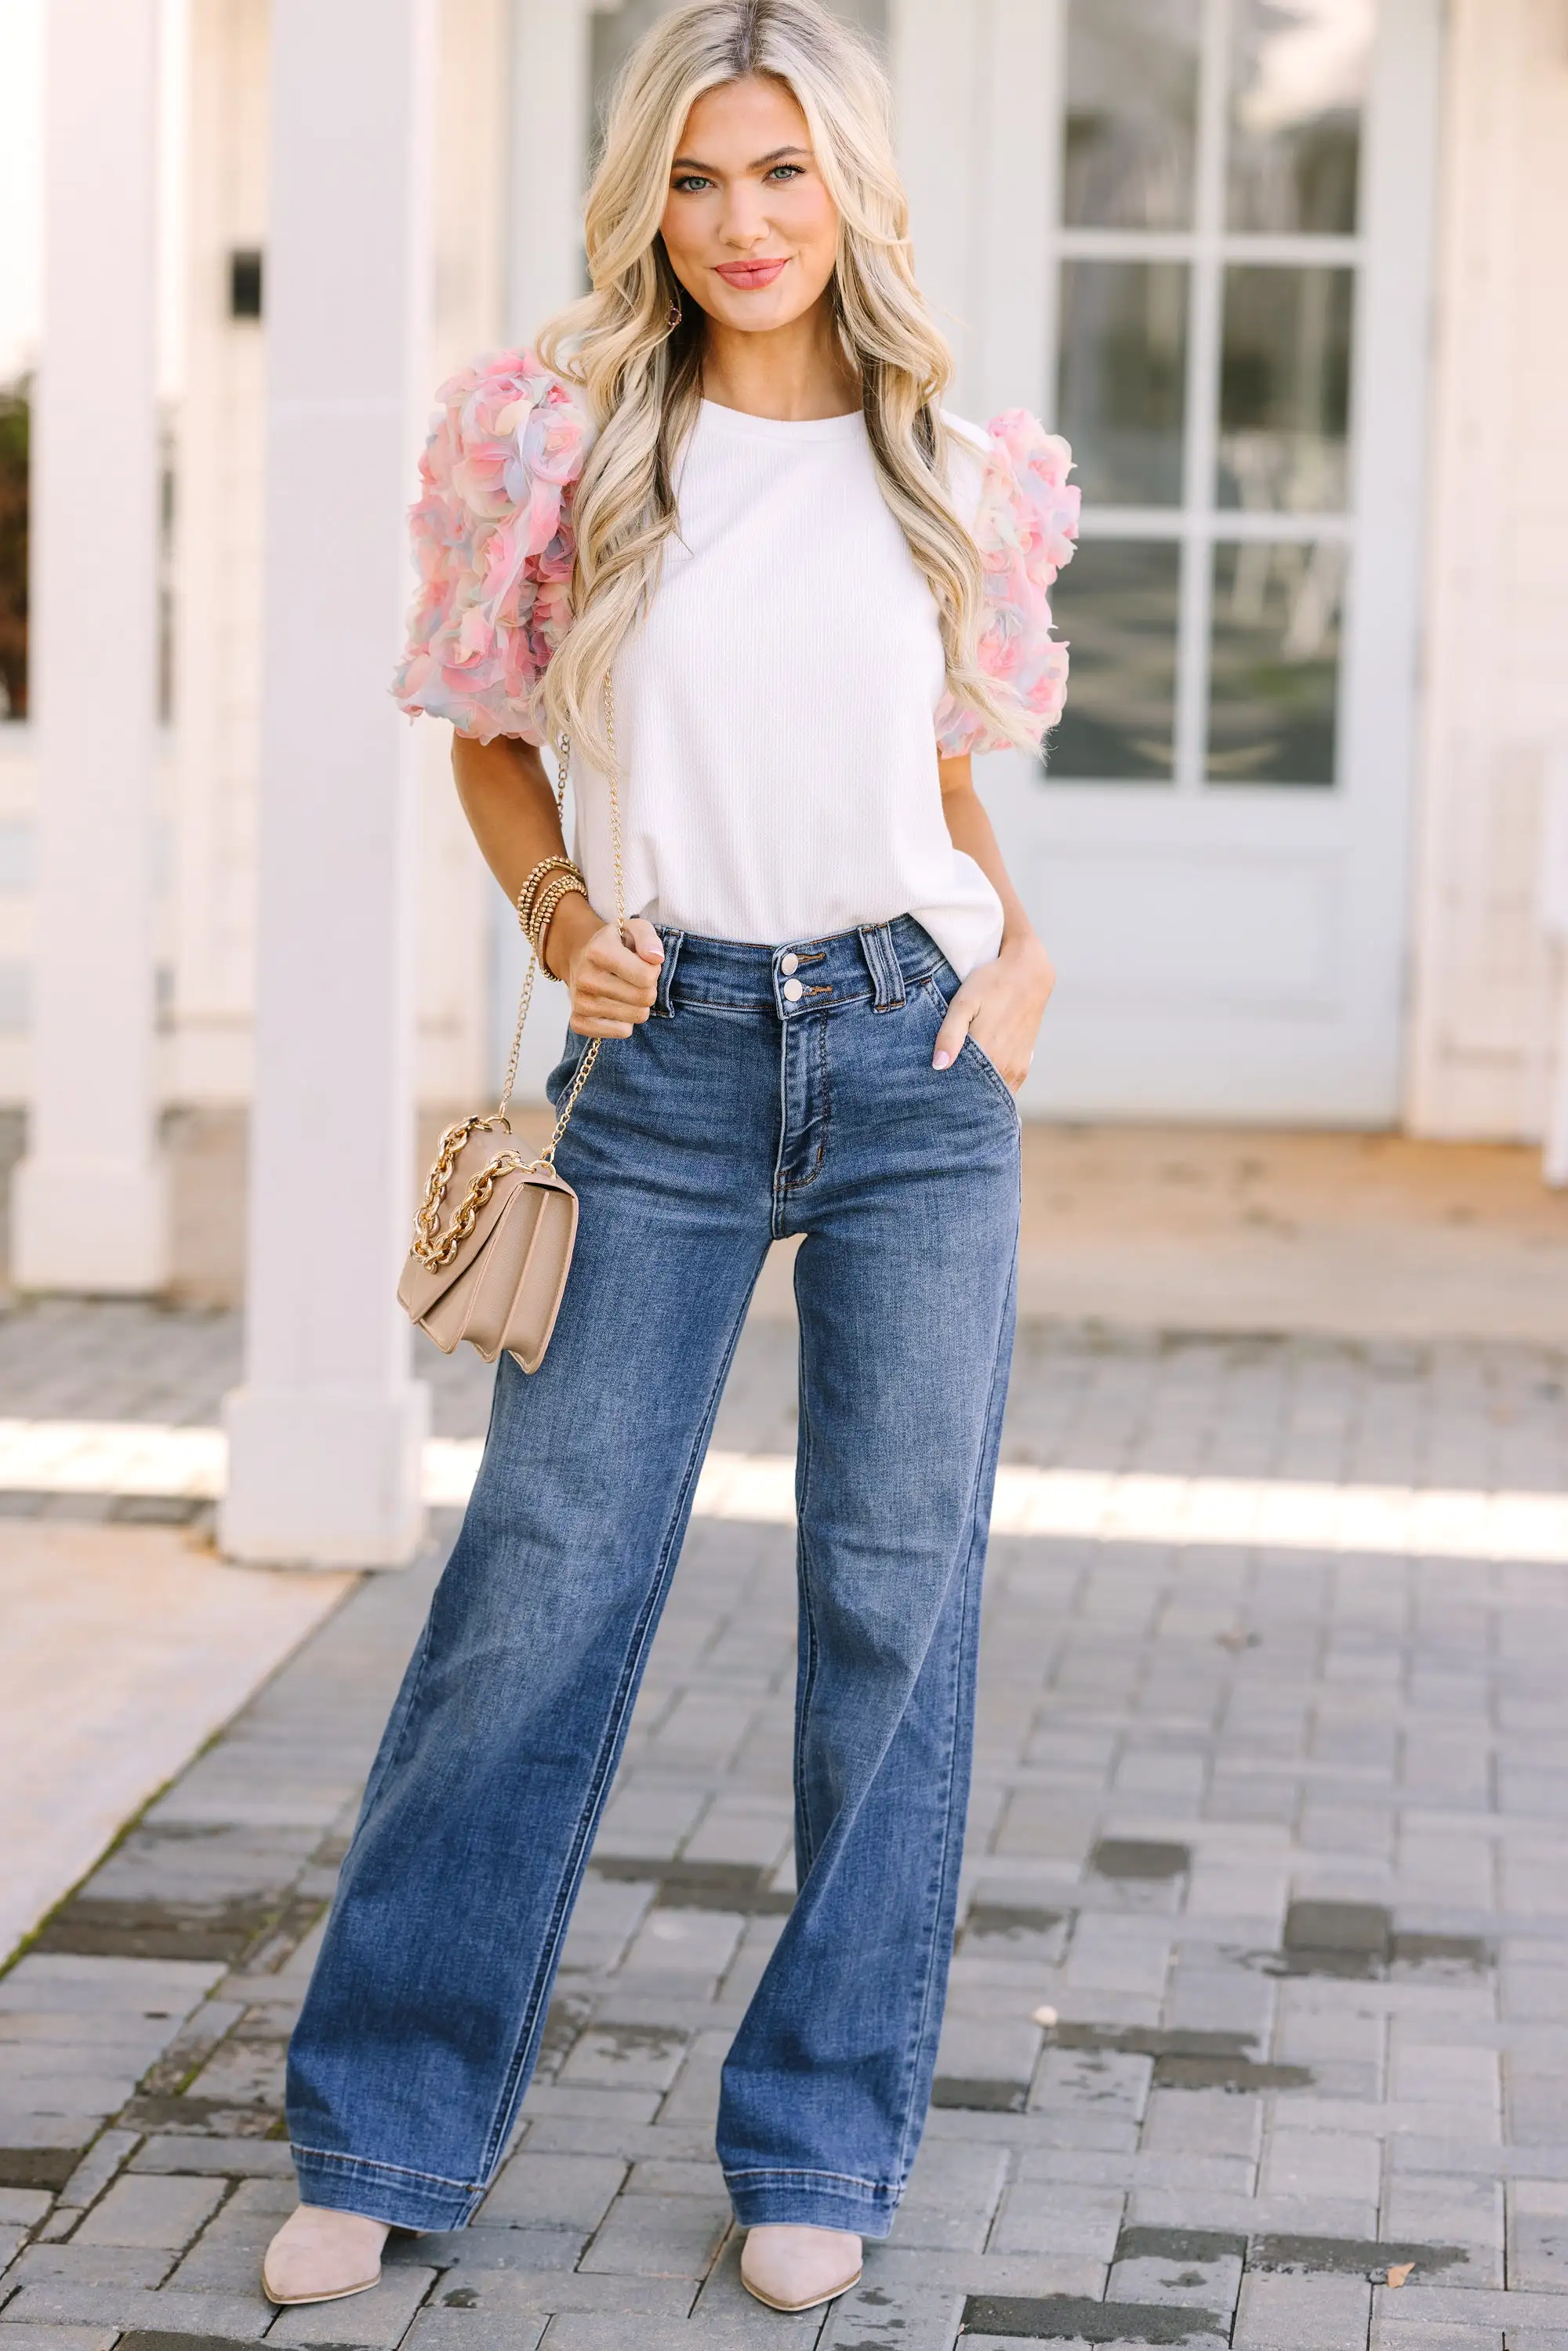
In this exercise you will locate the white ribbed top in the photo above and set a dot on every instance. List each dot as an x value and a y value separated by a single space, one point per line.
775 712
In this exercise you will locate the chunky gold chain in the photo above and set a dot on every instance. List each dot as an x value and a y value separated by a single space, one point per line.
432 1247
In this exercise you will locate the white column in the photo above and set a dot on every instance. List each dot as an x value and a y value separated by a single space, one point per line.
939 55
1554 922
549 129
326 1434
90 1208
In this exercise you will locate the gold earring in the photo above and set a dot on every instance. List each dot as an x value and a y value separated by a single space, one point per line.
675 314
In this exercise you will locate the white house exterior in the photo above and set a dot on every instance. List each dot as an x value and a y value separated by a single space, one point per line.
1361 945
1291 275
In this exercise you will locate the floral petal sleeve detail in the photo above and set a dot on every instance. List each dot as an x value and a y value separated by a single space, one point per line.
1025 526
492 545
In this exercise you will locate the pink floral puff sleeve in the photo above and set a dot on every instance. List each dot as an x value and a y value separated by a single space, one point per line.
1026 524
492 545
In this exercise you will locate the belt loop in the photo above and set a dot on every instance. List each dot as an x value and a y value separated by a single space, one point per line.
673 941
881 962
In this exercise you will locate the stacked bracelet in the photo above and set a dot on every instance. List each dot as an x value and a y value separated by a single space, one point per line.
552 879
563 885
530 889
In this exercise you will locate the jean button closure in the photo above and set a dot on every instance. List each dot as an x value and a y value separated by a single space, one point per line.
793 991
787 963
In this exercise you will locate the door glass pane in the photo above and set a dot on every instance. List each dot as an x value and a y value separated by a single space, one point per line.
1274 681
1121 377
1116 606
1284 400
1132 109
1298 83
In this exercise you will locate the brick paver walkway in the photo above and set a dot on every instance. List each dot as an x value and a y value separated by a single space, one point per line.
1259 2025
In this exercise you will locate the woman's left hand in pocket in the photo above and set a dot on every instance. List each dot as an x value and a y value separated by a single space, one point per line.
1000 1005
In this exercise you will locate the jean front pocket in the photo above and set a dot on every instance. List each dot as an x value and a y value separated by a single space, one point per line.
972 1056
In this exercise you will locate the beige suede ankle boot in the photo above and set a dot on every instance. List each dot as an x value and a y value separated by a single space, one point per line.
793 2268
322 2256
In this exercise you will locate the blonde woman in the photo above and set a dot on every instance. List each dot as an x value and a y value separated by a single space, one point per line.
727 492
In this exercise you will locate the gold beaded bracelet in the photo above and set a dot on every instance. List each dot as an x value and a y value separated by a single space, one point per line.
542 913
530 891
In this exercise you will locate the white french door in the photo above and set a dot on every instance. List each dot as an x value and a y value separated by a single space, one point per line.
1239 198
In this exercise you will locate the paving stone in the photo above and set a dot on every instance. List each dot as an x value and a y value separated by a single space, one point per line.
1302 2313
376 2321
233 2158
1440 2209
1092 2098
99 2166
697 1944
593 2106
625 2139
1388 2335
877 2316
996 2322
239 2317
1041 2216
1203 2122
1193 1768
986 2050
26 2206
571 2192
227 2256
659 2236
464 2330
502 2294
1200 2206
80 2264
23 2337
666 2176
1435 2307
626 2056
951 2197
59 2224
1538 2236
1306 2163
148 2210
695 2095
480 2248
580 2331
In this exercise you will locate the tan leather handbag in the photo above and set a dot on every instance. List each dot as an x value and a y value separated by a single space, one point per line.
496 1275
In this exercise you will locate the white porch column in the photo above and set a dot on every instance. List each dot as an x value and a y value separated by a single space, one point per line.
549 126
325 1433
1554 922
89 1200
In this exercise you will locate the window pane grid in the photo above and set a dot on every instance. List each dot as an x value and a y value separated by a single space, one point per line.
1254 676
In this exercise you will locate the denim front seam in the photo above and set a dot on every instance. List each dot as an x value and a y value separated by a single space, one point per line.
787 1091
614 1740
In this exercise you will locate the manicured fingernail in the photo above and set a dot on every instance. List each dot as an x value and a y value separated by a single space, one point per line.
942 1062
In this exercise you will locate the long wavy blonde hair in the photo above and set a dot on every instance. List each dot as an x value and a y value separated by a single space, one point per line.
642 381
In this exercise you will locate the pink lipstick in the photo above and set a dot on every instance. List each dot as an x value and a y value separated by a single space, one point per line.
746 275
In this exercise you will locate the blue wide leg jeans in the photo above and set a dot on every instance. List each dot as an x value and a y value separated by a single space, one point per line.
773 1091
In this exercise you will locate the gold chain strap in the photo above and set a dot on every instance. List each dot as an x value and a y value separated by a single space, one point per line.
433 1248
